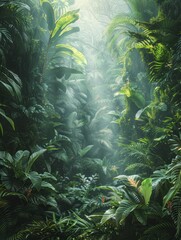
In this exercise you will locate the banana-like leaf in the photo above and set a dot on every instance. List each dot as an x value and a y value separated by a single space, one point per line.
63 22
48 9
146 189
69 30
71 51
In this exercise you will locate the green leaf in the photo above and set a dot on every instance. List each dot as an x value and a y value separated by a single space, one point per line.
171 193
52 202
109 214
63 22
121 178
66 49
125 91
68 31
138 99
11 83
16 88
85 150
47 175
36 179
62 155
71 119
141 216
125 208
48 9
16 77
146 189
2 113
173 190
33 158
8 88
48 185
21 159
6 157
139 113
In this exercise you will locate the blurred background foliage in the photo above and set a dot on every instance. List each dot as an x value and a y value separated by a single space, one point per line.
90 143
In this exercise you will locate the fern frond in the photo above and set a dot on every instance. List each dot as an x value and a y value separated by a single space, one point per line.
135 150
137 167
5 194
176 212
165 229
17 236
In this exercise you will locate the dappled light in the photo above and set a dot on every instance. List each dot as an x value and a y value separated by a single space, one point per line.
90 113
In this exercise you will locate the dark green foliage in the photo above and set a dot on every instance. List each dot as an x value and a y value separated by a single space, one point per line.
57 124
48 9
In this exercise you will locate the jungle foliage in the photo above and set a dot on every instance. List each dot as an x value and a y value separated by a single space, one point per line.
74 164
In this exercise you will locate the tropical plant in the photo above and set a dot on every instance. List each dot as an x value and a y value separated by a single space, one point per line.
81 195
133 199
23 190
50 108
49 229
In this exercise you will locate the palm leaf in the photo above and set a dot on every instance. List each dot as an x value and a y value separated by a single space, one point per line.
63 22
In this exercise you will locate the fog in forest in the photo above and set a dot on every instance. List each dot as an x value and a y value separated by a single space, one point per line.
95 16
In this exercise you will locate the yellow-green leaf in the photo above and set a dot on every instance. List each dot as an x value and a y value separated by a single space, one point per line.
146 189
73 52
63 22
